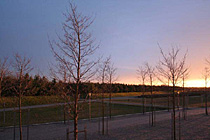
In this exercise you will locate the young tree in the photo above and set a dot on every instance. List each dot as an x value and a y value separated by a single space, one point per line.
142 73
184 76
206 74
102 76
21 67
111 77
106 76
73 51
4 71
151 73
164 77
173 66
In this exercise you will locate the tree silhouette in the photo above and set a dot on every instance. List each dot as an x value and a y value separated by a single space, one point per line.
73 51
4 71
21 67
173 66
142 73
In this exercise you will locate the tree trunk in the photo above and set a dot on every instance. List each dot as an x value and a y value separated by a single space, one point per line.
174 113
110 107
206 103
20 118
183 98
76 113
0 90
102 103
152 104
143 98
168 97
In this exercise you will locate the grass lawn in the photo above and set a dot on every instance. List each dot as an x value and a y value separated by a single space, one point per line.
194 101
106 95
11 102
56 113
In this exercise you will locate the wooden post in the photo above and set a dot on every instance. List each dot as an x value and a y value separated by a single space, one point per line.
110 107
206 103
99 119
67 134
14 121
107 120
64 113
85 131
154 113
149 119
4 114
168 103
183 106
172 134
89 106
103 112
28 116
179 126
143 104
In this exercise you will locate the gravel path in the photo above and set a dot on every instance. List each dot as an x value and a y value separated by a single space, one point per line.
135 126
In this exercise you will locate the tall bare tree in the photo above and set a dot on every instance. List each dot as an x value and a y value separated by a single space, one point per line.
73 51
164 77
206 74
102 76
173 66
22 66
111 78
151 75
184 76
142 73
4 71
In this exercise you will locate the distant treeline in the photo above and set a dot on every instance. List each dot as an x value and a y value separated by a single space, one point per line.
41 86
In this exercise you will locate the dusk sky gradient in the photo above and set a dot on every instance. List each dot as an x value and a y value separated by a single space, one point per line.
128 30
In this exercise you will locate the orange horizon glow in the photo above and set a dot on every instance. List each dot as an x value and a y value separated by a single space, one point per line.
188 83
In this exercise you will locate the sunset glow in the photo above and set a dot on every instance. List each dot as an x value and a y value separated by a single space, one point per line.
129 35
195 83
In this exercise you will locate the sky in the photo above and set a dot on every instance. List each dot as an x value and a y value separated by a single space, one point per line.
129 31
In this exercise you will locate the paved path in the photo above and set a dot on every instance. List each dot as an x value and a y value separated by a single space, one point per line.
57 104
134 126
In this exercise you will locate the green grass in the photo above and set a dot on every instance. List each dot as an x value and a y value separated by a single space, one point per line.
194 101
11 102
106 95
56 113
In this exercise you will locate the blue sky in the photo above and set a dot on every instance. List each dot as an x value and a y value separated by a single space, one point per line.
126 30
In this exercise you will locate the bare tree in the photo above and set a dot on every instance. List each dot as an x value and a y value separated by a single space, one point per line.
206 74
4 71
164 77
21 66
185 75
173 66
73 51
151 74
102 76
111 78
60 73
142 73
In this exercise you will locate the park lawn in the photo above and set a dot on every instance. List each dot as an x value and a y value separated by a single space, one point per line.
194 101
11 102
123 94
56 113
